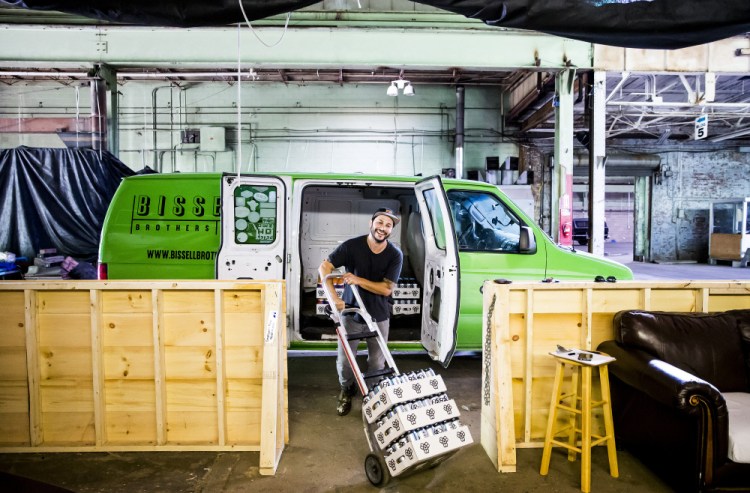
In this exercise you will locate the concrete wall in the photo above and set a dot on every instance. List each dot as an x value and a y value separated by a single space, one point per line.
322 128
681 200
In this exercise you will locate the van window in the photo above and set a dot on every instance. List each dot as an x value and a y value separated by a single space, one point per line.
436 217
255 215
483 222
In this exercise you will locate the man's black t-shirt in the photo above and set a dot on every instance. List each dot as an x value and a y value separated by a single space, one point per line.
356 257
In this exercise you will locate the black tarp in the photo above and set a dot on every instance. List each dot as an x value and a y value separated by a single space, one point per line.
56 198
660 24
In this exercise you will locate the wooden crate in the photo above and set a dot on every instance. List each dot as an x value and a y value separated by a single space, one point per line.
524 322
142 366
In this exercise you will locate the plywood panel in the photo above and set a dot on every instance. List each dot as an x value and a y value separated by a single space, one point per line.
66 396
73 302
69 362
720 303
14 398
12 364
192 427
614 300
69 329
128 363
242 302
189 329
563 301
14 429
74 429
127 329
127 301
243 427
188 302
674 300
131 428
242 329
125 396
190 363
243 362
12 332
191 395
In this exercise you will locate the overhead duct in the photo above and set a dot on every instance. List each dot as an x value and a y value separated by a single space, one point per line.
619 164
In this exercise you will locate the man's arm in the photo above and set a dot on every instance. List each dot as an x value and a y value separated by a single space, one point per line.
325 269
384 287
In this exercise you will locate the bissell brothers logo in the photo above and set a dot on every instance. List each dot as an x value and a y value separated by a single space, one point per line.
178 214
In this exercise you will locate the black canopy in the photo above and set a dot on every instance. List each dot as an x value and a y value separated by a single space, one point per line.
659 24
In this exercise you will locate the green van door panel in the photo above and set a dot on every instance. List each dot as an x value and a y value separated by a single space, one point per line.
162 228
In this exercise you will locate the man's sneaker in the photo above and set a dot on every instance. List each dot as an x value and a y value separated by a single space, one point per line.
344 404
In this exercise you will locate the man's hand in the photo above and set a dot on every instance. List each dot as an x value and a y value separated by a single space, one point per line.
352 280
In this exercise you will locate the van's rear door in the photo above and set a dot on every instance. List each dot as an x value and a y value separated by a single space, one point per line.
253 216
441 274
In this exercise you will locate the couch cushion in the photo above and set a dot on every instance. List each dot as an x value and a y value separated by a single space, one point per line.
738 405
708 345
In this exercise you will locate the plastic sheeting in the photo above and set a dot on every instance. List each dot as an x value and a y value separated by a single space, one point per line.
56 198
660 24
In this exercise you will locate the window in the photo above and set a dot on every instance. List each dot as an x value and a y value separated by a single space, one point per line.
255 214
436 217
483 223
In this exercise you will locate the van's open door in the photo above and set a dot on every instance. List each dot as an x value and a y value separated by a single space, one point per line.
441 275
253 215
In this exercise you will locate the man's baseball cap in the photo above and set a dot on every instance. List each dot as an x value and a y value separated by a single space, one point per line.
386 212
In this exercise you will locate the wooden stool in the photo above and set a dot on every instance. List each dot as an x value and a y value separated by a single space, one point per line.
588 440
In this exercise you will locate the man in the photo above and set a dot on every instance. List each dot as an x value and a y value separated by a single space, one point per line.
373 264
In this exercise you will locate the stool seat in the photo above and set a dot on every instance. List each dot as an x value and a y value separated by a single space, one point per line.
580 407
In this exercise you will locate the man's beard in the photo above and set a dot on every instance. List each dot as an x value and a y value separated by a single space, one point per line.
373 232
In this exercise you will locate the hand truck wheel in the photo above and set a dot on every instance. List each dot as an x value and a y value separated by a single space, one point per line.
376 471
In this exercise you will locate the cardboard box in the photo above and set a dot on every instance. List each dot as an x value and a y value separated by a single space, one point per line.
392 395
404 419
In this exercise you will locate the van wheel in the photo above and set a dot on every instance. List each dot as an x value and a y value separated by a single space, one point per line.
583 242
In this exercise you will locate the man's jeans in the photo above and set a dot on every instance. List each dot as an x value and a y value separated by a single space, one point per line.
375 356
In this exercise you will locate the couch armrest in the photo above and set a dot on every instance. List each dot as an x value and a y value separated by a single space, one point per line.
674 388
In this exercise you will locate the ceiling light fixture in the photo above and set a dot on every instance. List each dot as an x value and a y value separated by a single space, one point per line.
400 84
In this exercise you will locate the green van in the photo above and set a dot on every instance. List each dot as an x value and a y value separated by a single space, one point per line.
455 234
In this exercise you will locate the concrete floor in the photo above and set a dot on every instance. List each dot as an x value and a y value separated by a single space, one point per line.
327 452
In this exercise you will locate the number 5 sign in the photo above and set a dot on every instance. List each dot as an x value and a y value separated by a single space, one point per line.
701 127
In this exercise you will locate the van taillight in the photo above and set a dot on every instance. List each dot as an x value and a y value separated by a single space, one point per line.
102 271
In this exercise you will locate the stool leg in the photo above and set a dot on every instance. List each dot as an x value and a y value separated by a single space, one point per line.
609 427
572 434
556 391
586 429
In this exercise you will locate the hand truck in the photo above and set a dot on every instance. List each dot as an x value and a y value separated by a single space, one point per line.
409 421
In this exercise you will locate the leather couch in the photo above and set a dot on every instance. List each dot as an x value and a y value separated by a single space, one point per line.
667 382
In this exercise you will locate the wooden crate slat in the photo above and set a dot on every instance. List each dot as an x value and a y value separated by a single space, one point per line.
127 329
63 302
188 301
131 428
128 363
189 329
117 301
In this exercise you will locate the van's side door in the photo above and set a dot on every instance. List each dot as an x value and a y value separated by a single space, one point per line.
441 271
253 215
